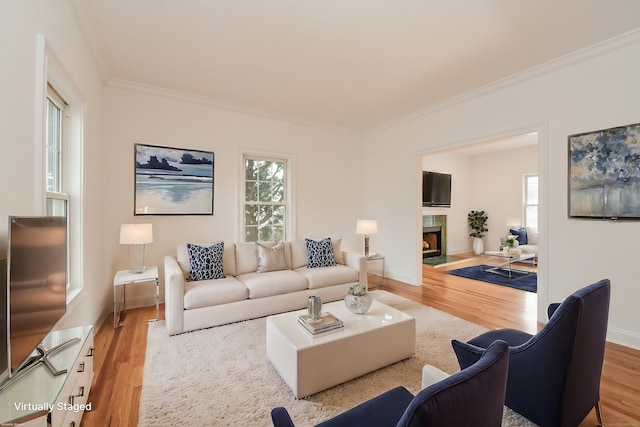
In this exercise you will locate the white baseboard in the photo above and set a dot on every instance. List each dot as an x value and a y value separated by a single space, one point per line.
624 337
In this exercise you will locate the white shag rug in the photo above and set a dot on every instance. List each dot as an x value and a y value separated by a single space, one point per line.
221 377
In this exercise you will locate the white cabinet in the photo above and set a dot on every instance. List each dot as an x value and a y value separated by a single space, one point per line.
40 399
72 400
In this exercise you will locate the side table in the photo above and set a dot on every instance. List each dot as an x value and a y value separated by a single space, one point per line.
378 257
124 277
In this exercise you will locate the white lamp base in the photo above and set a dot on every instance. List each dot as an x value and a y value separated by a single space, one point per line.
366 245
136 259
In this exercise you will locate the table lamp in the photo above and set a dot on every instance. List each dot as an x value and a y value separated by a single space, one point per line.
136 236
366 227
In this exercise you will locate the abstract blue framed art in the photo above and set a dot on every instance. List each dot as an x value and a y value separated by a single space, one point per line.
604 173
173 181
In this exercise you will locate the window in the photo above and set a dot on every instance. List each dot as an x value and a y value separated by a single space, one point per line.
531 203
56 146
266 206
60 183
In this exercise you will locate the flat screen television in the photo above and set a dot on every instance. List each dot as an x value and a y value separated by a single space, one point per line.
436 189
35 290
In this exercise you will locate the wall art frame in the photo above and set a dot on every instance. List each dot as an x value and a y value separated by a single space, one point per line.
173 181
604 174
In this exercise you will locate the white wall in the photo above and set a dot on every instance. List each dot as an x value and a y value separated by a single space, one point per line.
21 171
594 89
497 188
327 177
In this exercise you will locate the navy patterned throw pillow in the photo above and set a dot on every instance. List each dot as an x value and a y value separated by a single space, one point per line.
320 253
206 263
521 235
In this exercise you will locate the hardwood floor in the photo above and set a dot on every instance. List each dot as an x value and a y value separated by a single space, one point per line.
118 367
119 353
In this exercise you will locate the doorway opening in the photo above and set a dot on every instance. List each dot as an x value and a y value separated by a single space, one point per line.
487 176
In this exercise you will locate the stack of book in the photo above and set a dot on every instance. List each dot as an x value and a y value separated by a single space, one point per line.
327 322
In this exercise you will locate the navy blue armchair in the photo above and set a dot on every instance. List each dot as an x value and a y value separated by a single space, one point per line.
554 376
472 397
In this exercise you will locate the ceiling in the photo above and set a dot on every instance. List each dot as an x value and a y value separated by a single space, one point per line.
347 63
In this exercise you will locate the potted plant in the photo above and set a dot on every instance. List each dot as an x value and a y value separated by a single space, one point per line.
510 244
477 222
358 299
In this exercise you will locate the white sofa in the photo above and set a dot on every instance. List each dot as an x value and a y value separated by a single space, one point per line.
531 247
244 293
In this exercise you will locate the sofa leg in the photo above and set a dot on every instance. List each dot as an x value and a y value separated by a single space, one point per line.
599 414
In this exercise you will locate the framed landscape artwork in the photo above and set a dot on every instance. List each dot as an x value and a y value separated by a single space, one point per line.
173 181
604 173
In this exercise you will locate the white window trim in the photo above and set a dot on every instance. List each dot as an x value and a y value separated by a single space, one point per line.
50 71
290 185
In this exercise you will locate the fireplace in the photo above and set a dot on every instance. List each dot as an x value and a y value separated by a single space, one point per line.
431 241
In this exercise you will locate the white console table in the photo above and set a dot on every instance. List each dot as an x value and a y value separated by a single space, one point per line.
40 399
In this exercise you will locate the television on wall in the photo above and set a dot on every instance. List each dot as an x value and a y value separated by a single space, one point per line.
436 189
34 294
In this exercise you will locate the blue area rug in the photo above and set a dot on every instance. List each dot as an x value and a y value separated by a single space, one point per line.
525 281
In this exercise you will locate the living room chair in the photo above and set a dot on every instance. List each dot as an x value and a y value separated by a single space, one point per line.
554 376
473 396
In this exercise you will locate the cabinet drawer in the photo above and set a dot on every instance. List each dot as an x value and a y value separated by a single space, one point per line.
71 403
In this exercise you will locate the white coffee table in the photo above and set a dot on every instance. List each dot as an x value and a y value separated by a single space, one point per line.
309 364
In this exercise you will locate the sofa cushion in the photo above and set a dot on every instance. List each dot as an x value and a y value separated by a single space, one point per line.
336 242
270 258
206 293
298 254
529 249
228 258
247 256
205 262
319 253
321 277
262 285
246 261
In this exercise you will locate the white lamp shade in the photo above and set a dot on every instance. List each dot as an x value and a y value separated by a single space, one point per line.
136 234
367 226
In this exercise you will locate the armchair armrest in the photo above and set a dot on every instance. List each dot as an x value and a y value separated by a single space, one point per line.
385 409
280 417
173 295
358 262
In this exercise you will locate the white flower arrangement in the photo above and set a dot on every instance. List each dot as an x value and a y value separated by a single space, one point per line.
357 290
511 241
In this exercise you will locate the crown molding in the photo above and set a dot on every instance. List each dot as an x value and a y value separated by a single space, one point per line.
227 105
577 56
